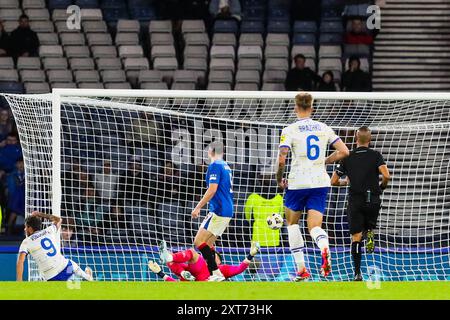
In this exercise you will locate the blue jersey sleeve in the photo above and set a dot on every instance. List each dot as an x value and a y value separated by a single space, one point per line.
215 172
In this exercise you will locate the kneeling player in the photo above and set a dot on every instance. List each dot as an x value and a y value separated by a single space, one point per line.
44 247
188 265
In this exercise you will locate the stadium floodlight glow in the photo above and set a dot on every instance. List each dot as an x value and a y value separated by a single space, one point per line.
81 148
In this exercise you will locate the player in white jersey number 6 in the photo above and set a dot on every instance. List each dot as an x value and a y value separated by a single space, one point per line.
308 182
45 248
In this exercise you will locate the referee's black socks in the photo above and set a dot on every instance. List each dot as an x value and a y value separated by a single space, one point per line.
356 254
209 255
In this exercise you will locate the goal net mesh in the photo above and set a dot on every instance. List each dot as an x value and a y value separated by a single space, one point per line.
132 169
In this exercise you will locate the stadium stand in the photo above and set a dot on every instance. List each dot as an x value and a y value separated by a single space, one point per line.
131 44
258 49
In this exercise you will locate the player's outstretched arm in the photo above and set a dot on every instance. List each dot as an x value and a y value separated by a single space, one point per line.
19 266
337 181
386 176
281 164
57 221
209 194
231 271
155 268
340 153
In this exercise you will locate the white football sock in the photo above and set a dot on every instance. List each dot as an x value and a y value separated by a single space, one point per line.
79 272
217 272
320 237
296 245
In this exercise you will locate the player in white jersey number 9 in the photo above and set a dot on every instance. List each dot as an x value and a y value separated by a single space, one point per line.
308 182
44 246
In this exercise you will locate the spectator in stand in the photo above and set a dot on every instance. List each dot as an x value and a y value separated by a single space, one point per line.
262 203
354 79
4 41
6 124
90 214
301 77
16 195
106 184
195 9
10 153
327 82
68 233
225 9
170 185
24 41
136 186
357 34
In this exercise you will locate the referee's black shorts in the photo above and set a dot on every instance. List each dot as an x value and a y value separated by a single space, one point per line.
362 215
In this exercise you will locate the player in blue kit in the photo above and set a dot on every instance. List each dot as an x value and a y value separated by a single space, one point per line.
220 198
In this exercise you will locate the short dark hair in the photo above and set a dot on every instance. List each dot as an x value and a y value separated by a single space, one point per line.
24 16
304 100
364 134
299 56
33 222
216 147
330 73
354 58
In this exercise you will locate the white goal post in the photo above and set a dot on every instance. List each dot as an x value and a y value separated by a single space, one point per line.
124 169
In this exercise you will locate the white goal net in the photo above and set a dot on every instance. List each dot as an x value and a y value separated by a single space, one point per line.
125 168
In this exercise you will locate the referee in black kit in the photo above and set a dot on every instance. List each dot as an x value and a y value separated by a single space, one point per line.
362 168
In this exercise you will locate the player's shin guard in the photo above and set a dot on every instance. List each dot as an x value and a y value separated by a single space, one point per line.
320 237
356 255
208 254
296 245
182 256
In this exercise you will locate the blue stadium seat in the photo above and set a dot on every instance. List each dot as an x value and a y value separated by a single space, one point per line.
326 4
305 27
304 38
142 13
331 13
111 4
272 4
58 4
330 38
279 14
252 3
140 3
89 4
356 10
252 27
11 87
226 26
278 26
331 27
254 13
114 14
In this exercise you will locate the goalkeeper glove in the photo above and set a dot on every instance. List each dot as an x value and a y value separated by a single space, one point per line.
154 267
254 249
186 275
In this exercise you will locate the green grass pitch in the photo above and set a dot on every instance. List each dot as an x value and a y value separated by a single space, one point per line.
224 290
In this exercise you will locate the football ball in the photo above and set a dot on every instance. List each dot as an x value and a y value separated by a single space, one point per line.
275 221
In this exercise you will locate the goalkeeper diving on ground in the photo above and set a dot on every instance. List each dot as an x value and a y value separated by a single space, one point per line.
188 265
44 245
308 182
